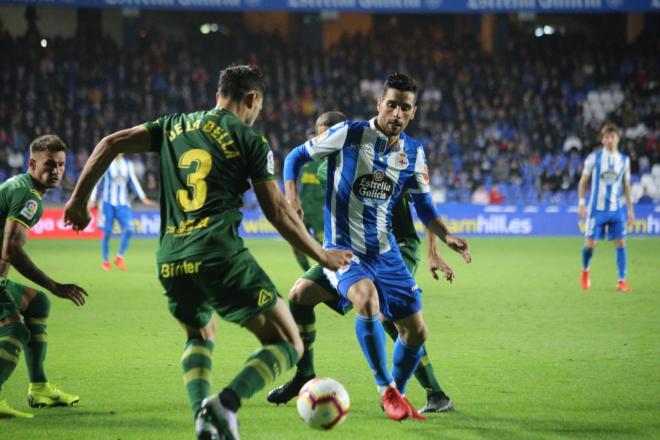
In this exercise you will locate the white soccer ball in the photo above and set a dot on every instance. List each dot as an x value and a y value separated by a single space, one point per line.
323 403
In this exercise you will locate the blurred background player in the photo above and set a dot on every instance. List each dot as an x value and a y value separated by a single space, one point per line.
611 176
313 288
24 311
312 195
116 204
208 160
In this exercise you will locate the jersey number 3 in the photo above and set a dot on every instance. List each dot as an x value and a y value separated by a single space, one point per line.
193 198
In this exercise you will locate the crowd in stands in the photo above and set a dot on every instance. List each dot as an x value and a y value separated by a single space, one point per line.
510 127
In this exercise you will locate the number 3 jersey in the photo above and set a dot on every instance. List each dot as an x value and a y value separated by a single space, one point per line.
365 180
207 160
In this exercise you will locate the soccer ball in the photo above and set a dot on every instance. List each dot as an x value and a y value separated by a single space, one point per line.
323 403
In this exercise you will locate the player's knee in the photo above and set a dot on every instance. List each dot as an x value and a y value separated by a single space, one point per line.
619 243
39 306
297 291
415 336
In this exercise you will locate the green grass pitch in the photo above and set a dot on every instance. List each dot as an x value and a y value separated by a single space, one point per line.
523 352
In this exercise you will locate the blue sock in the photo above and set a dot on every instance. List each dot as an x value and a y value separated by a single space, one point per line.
105 245
621 261
371 336
587 253
123 244
404 361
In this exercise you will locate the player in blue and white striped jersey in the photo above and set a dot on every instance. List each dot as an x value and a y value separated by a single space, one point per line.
116 204
611 176
370 165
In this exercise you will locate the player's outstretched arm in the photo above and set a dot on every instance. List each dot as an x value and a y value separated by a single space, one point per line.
278 211
13 253
435 261
131 140
430 218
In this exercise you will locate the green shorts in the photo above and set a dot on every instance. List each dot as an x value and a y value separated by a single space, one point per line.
315 225
235 287
409 253
13 297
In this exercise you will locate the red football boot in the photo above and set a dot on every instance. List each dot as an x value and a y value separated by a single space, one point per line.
585 280
119 262
413 412
622 286
395 407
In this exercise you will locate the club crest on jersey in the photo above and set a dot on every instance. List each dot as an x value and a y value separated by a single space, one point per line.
398 161
29 209
609 176
373 189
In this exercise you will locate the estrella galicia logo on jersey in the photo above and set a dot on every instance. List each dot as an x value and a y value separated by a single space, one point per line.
373 189
609 176
29 209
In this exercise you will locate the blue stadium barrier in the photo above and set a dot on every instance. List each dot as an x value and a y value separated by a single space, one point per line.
464 220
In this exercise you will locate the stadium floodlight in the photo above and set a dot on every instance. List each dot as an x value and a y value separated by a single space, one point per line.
44 42
538 32
548 30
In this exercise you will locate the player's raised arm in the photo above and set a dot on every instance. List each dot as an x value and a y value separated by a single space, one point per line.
278 211
131 140
420 191
13 253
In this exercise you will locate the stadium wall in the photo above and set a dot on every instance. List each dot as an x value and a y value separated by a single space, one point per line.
465 220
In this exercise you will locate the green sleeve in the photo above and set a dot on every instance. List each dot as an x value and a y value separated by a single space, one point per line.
259 158
155 129
322 174
25 207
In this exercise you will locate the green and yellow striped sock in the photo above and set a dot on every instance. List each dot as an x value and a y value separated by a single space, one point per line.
196 365
36 317
13 338
305 318
262 368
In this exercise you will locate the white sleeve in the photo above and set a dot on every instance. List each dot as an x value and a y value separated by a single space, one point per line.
331 140
419 183
626 172
589 165
135 183
92 197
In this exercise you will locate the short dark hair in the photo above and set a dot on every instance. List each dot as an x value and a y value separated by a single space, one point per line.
609 128
237 81
47 142
402 82
329 119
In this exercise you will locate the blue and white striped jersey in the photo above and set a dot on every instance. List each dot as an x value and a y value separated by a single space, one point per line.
365 180
114 184
607 171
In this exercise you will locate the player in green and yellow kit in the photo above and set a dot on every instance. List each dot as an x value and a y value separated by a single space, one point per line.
208 160
313 287
23 310
312 195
